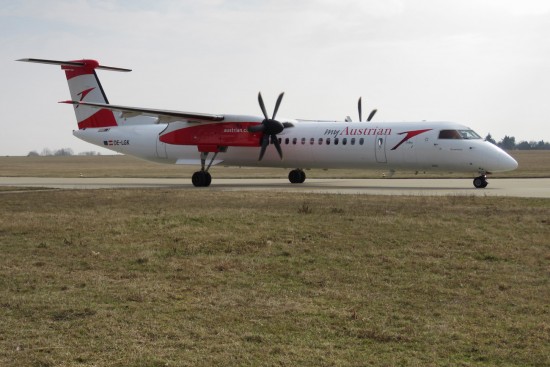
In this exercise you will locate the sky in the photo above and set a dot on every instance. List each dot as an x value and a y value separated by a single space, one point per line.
481 63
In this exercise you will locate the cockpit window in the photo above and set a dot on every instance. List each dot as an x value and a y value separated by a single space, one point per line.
449 134
458 134
469 134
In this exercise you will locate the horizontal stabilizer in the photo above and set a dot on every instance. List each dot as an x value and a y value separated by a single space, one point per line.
78 63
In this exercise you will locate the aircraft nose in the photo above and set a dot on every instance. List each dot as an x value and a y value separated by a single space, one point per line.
510 164
500 161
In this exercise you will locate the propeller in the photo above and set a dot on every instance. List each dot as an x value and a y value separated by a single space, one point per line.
270 127
360 108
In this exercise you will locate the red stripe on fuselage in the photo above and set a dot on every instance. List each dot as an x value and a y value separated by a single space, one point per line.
227 134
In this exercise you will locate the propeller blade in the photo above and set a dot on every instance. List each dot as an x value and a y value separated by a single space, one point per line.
256 128
372 114
277 145
360 108
262 106
265 143
277 105
288 124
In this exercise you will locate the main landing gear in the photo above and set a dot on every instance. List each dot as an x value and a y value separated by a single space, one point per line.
480 182
203 178
297 176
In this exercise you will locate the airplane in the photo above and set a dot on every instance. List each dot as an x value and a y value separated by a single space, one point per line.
188 138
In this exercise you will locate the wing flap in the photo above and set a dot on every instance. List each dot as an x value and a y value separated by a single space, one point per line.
164 116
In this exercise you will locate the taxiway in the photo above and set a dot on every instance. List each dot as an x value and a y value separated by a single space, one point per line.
515 187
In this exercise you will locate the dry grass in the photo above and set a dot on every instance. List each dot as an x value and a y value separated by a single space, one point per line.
531 164
186 278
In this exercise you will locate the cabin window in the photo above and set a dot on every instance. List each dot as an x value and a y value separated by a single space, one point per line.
294 141
320 141
328 141
336 140
361 141
287 140
344 141
352 141
303 141
280 140
312 141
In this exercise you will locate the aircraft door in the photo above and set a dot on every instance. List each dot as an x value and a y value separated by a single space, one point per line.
161 149
380 149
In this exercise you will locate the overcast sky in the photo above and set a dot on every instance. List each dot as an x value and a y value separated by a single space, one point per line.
483 63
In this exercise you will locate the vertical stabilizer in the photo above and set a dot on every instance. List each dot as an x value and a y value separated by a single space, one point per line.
85 86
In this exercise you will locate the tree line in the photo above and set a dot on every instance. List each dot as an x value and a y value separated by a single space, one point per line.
509 143
63 152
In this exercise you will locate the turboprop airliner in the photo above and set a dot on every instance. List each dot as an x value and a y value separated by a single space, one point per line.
204 139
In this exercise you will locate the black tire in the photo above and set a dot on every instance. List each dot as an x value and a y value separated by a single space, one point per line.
296 176
201 179
480 182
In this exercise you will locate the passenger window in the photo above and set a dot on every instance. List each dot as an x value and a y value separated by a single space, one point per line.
303 141
312 141
336 140
320 141
294 141
361 141
344 141
287 140
352 141
328 141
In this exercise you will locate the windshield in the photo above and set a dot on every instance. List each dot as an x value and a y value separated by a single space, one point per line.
458 134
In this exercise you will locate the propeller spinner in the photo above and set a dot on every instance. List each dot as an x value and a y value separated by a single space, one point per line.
270 127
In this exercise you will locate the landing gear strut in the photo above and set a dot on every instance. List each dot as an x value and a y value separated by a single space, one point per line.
297 176
480 182
203 178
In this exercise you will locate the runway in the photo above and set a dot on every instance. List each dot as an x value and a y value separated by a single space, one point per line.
515 187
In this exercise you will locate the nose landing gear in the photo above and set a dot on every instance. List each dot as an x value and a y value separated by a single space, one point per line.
480 182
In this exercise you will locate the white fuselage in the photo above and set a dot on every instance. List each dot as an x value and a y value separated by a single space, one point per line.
323 144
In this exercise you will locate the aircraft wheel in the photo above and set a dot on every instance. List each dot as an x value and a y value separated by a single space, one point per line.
480 182
201 179
297 176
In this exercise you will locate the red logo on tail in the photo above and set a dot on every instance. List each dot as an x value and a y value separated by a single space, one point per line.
83 94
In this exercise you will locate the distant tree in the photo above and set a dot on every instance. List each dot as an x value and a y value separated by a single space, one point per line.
89 153
524 145
63 152
46 152
490 139
508 142
541 145
33 153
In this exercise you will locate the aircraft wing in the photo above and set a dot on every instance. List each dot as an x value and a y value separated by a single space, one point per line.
164 116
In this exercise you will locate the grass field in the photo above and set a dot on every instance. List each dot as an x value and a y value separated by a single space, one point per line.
531 164
197 278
